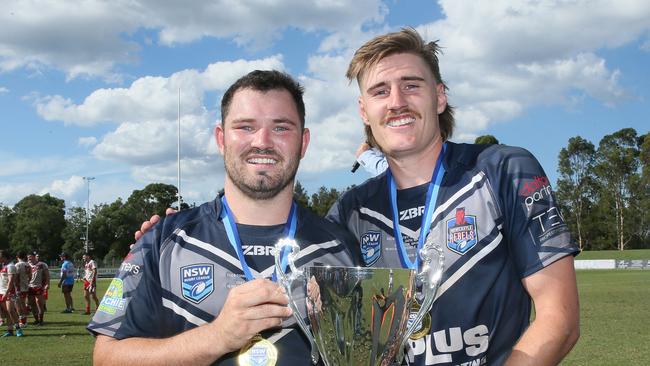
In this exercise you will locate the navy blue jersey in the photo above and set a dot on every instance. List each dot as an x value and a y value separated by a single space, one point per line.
178 276
497 221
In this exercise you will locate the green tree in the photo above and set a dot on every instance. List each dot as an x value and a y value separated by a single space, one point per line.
153 199
39 224
640 191
617 163
6 225
112 229
75 231
323 200
486 140
575 184
300 195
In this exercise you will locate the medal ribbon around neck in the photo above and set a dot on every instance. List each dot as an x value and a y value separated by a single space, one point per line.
429 205
233 236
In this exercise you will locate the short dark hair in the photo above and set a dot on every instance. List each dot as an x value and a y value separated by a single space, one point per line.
265 80
20 254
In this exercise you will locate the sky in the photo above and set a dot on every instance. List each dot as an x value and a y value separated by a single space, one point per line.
94 88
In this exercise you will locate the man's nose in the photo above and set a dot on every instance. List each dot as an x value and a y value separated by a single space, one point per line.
396 100
262 139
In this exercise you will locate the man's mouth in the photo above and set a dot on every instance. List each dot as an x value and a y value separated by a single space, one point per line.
266 161
402 121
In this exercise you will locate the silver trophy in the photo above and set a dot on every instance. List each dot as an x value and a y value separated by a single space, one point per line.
359 315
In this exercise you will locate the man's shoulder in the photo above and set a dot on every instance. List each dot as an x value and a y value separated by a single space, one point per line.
206 213
368 190
313 223
490 157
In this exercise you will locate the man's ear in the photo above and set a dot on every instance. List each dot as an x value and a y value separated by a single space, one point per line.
306 136
218 136
362 111
442 97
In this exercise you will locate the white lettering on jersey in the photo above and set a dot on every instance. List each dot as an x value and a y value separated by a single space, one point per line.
473 342
258 250
411 213
130 267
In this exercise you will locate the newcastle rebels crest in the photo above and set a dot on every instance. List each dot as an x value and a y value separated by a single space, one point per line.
461 232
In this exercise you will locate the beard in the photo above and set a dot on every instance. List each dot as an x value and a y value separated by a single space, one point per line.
262 185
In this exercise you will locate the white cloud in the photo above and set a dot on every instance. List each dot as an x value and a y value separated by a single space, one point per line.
501 57
98 35
87 141
3 90
64 188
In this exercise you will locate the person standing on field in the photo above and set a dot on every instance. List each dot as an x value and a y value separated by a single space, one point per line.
66 283
38 285
23 272
90 282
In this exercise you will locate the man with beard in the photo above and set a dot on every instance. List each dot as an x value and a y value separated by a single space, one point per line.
196 288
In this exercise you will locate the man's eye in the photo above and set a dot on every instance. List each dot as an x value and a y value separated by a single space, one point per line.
281 128
380 92
411 86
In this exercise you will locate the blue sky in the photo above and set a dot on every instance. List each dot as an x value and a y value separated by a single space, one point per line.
91 88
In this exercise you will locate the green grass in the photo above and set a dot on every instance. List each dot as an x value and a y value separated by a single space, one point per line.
613 305
63 340
615 254
614 318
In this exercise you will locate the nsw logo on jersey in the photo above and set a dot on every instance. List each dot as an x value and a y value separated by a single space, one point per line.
370 247
197 281
461 232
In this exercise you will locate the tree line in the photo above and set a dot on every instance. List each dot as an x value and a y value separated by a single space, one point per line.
603 194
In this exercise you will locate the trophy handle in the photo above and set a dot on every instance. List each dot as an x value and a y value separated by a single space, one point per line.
287 281
433 260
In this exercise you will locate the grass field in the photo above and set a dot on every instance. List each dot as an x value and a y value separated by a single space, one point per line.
615 320
631 254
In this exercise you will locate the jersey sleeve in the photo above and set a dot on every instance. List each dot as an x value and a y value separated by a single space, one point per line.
534 226
131 306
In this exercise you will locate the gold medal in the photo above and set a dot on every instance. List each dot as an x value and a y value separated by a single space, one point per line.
258 351
424 326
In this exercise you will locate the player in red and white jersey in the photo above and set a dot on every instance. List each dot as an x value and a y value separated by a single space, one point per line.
38 285
8 294
90 281
24 274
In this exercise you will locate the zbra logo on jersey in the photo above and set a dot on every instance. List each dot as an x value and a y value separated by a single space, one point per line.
461 232
371 247
197 281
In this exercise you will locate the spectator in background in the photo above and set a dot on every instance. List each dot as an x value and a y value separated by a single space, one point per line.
371 159
66 283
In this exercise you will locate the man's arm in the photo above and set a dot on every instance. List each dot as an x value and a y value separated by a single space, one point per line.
12 281
556 327
46 278
249 309
64 273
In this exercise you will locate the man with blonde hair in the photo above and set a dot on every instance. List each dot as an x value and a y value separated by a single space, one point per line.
490 207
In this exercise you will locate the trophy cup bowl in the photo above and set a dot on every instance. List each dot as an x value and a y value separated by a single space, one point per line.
359 315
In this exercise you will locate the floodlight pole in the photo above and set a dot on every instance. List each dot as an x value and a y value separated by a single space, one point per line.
87 179
180 200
